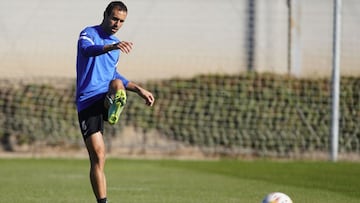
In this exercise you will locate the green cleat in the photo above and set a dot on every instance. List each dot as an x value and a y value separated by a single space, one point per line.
116 107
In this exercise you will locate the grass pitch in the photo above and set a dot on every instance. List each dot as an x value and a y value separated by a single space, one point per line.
170 181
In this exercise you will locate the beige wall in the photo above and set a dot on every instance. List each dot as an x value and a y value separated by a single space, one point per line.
174 38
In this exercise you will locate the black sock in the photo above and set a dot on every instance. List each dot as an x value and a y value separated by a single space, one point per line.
103 200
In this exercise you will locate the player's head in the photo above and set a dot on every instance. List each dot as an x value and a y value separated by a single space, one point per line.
114 17
119 5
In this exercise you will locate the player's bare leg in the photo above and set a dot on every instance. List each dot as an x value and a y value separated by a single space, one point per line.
115 85
96 149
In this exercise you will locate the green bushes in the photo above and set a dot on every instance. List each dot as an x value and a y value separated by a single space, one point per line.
39 113
261 113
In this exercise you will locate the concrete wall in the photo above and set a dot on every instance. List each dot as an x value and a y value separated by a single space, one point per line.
176 38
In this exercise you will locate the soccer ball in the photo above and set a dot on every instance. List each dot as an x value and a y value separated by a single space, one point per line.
277 197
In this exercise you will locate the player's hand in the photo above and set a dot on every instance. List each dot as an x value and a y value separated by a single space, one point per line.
145 94
148 97
124 46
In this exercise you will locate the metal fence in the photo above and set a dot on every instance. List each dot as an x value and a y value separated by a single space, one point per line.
266 115
264 88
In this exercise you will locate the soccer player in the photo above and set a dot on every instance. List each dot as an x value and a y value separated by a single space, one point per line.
100 89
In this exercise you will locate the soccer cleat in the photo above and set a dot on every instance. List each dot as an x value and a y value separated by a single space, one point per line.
116 107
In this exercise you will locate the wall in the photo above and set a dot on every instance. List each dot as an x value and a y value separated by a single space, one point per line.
176 38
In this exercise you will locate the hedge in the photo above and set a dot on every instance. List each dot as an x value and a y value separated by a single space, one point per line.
261 113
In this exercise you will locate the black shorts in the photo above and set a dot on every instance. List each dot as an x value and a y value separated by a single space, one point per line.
91 119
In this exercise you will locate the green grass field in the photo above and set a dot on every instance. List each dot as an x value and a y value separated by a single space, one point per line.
170 181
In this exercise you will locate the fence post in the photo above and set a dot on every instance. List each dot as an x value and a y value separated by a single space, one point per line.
250 34
294 37
336 81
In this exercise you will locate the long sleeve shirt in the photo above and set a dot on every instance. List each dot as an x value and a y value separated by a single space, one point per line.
95 68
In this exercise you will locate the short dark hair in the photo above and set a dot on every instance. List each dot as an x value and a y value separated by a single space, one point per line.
115 4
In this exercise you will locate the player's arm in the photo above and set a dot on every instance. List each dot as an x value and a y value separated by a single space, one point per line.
131 86
89 49
145 94
87 46
124 47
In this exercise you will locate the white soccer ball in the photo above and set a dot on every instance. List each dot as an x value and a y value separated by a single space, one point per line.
277 197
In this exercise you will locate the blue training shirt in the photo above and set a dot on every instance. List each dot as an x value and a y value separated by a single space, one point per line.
95 68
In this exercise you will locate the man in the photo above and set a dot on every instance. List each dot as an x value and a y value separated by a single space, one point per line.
101 90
